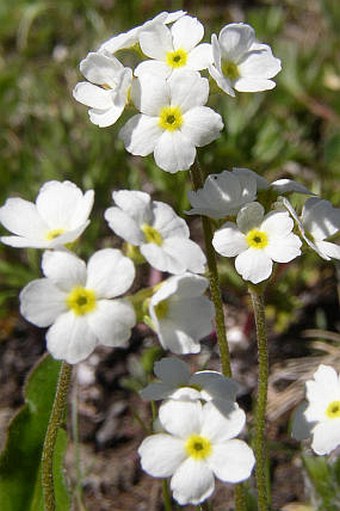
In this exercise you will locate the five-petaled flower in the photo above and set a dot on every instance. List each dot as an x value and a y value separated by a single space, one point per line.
319 417
198 444
80 303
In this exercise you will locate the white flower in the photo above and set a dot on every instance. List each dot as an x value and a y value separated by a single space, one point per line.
319 221
130 38
162 236
176 382
174 48
77 301
224 194
59 216
173 120
180 314
257 241
108 92
320 416
198 445
285 185
240 62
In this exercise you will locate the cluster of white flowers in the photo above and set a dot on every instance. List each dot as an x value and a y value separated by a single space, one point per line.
199 421
167 88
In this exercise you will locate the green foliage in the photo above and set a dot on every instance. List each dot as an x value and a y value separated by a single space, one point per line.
324 475
20 485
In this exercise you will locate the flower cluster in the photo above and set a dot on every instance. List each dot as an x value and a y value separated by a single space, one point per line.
167 88
199 421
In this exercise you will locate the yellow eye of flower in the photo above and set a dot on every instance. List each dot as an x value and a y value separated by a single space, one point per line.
81 300
176 59
152 235
198 447
161 309
257 239
230 70
170 118
54 233
333 410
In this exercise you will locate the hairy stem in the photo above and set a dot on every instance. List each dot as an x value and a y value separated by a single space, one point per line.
260 416
55 422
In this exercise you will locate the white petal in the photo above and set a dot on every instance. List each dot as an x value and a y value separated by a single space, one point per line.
109 273
22 218
259 64
140 134
330 250
214 385
188 89
64 269
250 216
70 338
254 265
93 96
176 256
150 93
320 218
187 32
156 42
41 302
152 67
301 427
172 371
223 82
105 118
124 226
232 461
156 391
100 68
285 249
229 241
223 422
200 57
326 437
202 125
277 224
181 418
235 39
174 152
253 84
289 186
112 321
167 222
161 454
193 482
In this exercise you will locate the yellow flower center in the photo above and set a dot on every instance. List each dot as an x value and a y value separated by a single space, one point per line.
161 309
333 410
257 239
81 300
170 118
152 235
54 233
230 70
176 59
198 447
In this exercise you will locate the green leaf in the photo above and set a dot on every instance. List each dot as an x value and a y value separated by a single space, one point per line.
20 485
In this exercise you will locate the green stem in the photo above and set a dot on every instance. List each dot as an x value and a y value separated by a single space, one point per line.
215 292
55 422
166 495
260 416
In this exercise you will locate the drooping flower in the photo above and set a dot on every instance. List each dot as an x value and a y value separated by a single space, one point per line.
319 417
80 303
257 240
198 445
153 226
176 380
319 220
59 216
240 62
107 89
174 48
173 120
180 314
128 39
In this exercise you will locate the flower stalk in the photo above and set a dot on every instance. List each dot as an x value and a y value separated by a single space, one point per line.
260 415
55 422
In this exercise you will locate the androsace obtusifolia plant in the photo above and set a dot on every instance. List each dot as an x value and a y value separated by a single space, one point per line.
244 217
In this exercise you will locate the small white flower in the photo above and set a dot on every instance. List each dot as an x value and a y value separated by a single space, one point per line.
174 48
198 445
108 92
161 235
173 120
176 382
320 416
180 314
257 241
128 39
240 62
59 216
76 302
319 221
